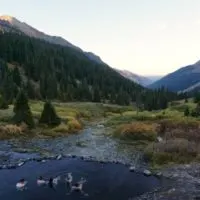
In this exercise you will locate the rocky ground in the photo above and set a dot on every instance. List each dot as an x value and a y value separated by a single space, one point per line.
185 184
96 143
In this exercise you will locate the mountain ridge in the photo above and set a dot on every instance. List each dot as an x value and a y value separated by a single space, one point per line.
30 31
63 73
142 80
181 79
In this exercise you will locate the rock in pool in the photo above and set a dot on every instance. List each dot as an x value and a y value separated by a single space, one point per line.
132 168
59 157
20 164
146 172
158 174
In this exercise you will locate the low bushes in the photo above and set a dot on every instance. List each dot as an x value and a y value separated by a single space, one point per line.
74 125
137 131
10 130
179 128
175 151
62 128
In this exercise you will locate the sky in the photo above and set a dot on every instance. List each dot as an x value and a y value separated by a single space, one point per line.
147 37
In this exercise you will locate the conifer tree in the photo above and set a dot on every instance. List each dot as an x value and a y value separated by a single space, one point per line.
49 115
30 90
17 77
22 110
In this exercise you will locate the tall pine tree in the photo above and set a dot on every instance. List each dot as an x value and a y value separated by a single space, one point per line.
49 115
22 110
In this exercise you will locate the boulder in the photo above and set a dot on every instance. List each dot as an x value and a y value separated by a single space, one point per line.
59 157
20 164
11 166
132 168
158 174
159 139
146 172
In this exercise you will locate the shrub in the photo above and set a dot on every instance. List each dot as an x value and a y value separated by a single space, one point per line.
49 115
187 128
183 123
62 128
11 130
137 131
74 125
177 151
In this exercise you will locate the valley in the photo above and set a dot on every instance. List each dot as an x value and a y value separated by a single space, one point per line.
62 108
114 134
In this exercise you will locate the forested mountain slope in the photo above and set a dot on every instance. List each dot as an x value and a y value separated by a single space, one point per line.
62 71
11 24
48 71
181 79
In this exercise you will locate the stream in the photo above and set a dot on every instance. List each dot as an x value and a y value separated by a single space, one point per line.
95 155
92 141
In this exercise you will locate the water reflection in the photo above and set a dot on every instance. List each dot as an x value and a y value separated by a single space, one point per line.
74 179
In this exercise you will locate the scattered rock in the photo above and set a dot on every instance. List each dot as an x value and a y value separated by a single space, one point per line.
38 159
82 157
59 157
158 174
159 139
187 166
43 161
51 157
146 172
132 168
171 190
3 167
20 164
11 166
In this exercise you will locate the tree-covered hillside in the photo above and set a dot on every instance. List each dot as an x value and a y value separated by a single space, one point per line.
48 71
183 79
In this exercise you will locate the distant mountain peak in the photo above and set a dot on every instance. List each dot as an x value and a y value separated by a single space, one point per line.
142 80
11 20
7 18
184 79
14 25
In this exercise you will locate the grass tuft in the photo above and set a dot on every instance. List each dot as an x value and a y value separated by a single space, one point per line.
137 131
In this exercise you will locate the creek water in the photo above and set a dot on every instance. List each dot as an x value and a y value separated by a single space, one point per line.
104 181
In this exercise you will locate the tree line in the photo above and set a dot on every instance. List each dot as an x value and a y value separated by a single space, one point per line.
47 71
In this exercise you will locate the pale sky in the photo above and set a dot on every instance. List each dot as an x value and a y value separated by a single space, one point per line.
147 37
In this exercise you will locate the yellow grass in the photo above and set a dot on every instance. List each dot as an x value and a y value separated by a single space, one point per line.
62 128
11 130
137 131
74 125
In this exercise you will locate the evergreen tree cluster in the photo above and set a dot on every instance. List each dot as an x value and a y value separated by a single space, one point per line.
9 84
49 115
22 112
67 74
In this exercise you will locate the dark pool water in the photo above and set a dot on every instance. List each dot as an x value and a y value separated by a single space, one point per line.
104 181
